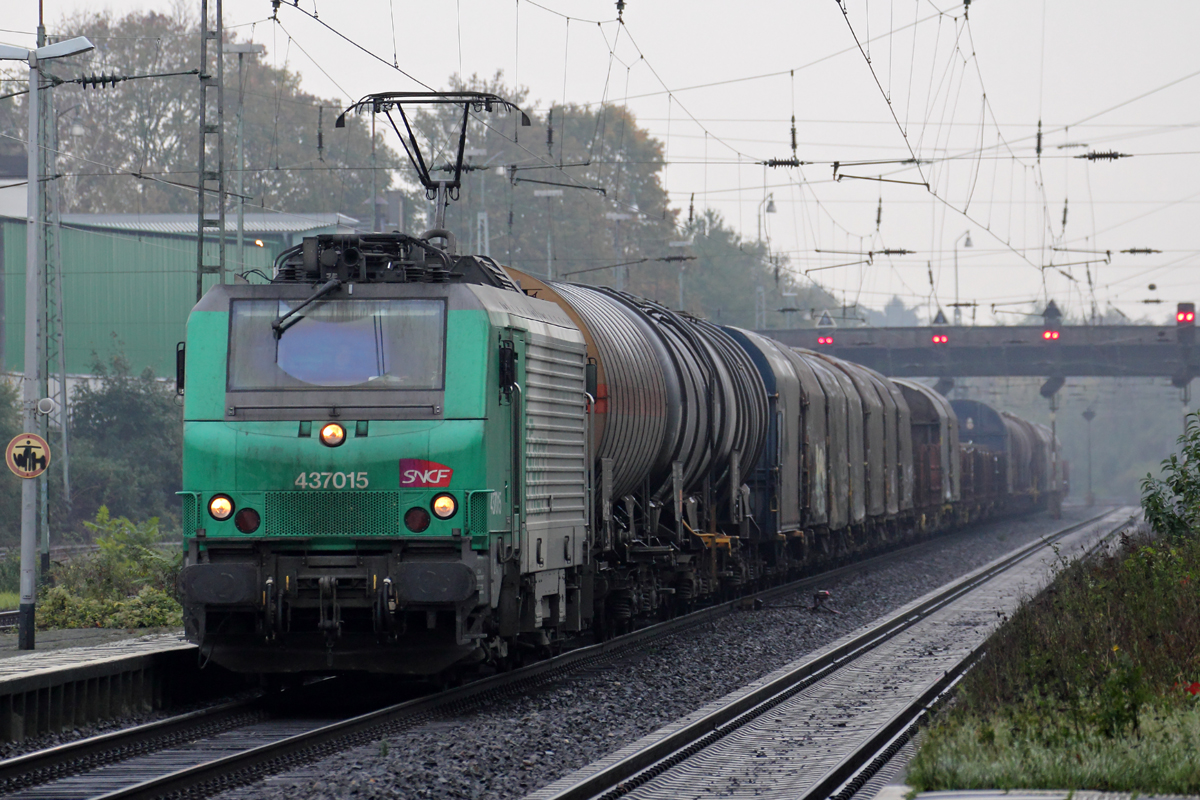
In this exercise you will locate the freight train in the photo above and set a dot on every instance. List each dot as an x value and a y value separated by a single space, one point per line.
400 459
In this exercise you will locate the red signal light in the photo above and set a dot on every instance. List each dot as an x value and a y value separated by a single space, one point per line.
1185 322
940 338
824 340
1050 336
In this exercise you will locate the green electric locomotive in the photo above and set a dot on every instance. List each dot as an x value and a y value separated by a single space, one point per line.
367 465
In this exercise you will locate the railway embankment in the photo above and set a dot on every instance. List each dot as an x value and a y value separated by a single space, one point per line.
1095 683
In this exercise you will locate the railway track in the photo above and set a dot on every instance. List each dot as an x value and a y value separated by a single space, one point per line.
203 752
800 733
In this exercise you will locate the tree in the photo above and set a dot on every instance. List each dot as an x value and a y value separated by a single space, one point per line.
722 283
138 149
126 446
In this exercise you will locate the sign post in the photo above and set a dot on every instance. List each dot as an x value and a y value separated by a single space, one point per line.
34 308
28 456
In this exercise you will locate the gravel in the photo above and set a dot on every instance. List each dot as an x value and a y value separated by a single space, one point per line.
523 743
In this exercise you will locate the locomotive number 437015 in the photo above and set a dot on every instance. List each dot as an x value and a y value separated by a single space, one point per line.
331 480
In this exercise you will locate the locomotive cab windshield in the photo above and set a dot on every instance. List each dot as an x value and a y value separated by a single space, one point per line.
338 344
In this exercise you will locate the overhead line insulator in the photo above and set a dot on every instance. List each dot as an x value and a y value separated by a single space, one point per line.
1105 155
784 162
101 81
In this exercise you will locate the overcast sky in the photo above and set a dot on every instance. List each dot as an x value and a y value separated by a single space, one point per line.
718 83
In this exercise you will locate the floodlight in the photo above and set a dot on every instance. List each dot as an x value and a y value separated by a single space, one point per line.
70 47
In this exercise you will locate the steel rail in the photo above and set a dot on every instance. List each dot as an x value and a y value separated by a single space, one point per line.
637 768
85 754
72 758
859 766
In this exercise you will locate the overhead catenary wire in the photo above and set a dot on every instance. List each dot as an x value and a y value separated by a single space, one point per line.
612 50
992 216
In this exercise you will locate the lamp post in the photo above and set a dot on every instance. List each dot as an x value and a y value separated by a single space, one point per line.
682 262
242 49
769 202
548 194
767 206
617 217
957 307
1089 415
31 380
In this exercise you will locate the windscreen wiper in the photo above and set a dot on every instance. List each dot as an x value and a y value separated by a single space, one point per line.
289 319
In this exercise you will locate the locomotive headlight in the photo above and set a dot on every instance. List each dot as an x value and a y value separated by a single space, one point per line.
332 435
221 507
444 506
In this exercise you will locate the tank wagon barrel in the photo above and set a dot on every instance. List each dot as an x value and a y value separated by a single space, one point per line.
679 403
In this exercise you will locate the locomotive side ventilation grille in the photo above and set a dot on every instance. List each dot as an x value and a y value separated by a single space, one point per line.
332 513
189 513
555 434
477 513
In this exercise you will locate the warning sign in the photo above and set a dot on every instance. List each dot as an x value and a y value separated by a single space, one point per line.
27 455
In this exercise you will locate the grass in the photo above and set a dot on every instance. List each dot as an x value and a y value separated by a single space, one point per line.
10 601
1093 685
973 753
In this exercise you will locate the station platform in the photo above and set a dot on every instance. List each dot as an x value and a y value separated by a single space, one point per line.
77 677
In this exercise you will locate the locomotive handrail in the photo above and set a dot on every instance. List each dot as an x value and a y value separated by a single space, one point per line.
517 501
589 408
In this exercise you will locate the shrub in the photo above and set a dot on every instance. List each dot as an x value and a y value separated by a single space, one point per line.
129 556
10 571
149 608
127 582
1172 504
60 608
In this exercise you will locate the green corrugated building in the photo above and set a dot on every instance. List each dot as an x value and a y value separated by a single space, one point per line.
129 280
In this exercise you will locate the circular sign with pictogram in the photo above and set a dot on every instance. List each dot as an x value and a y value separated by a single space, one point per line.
27 455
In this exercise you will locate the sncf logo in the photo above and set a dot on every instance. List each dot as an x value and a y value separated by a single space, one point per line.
418 473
